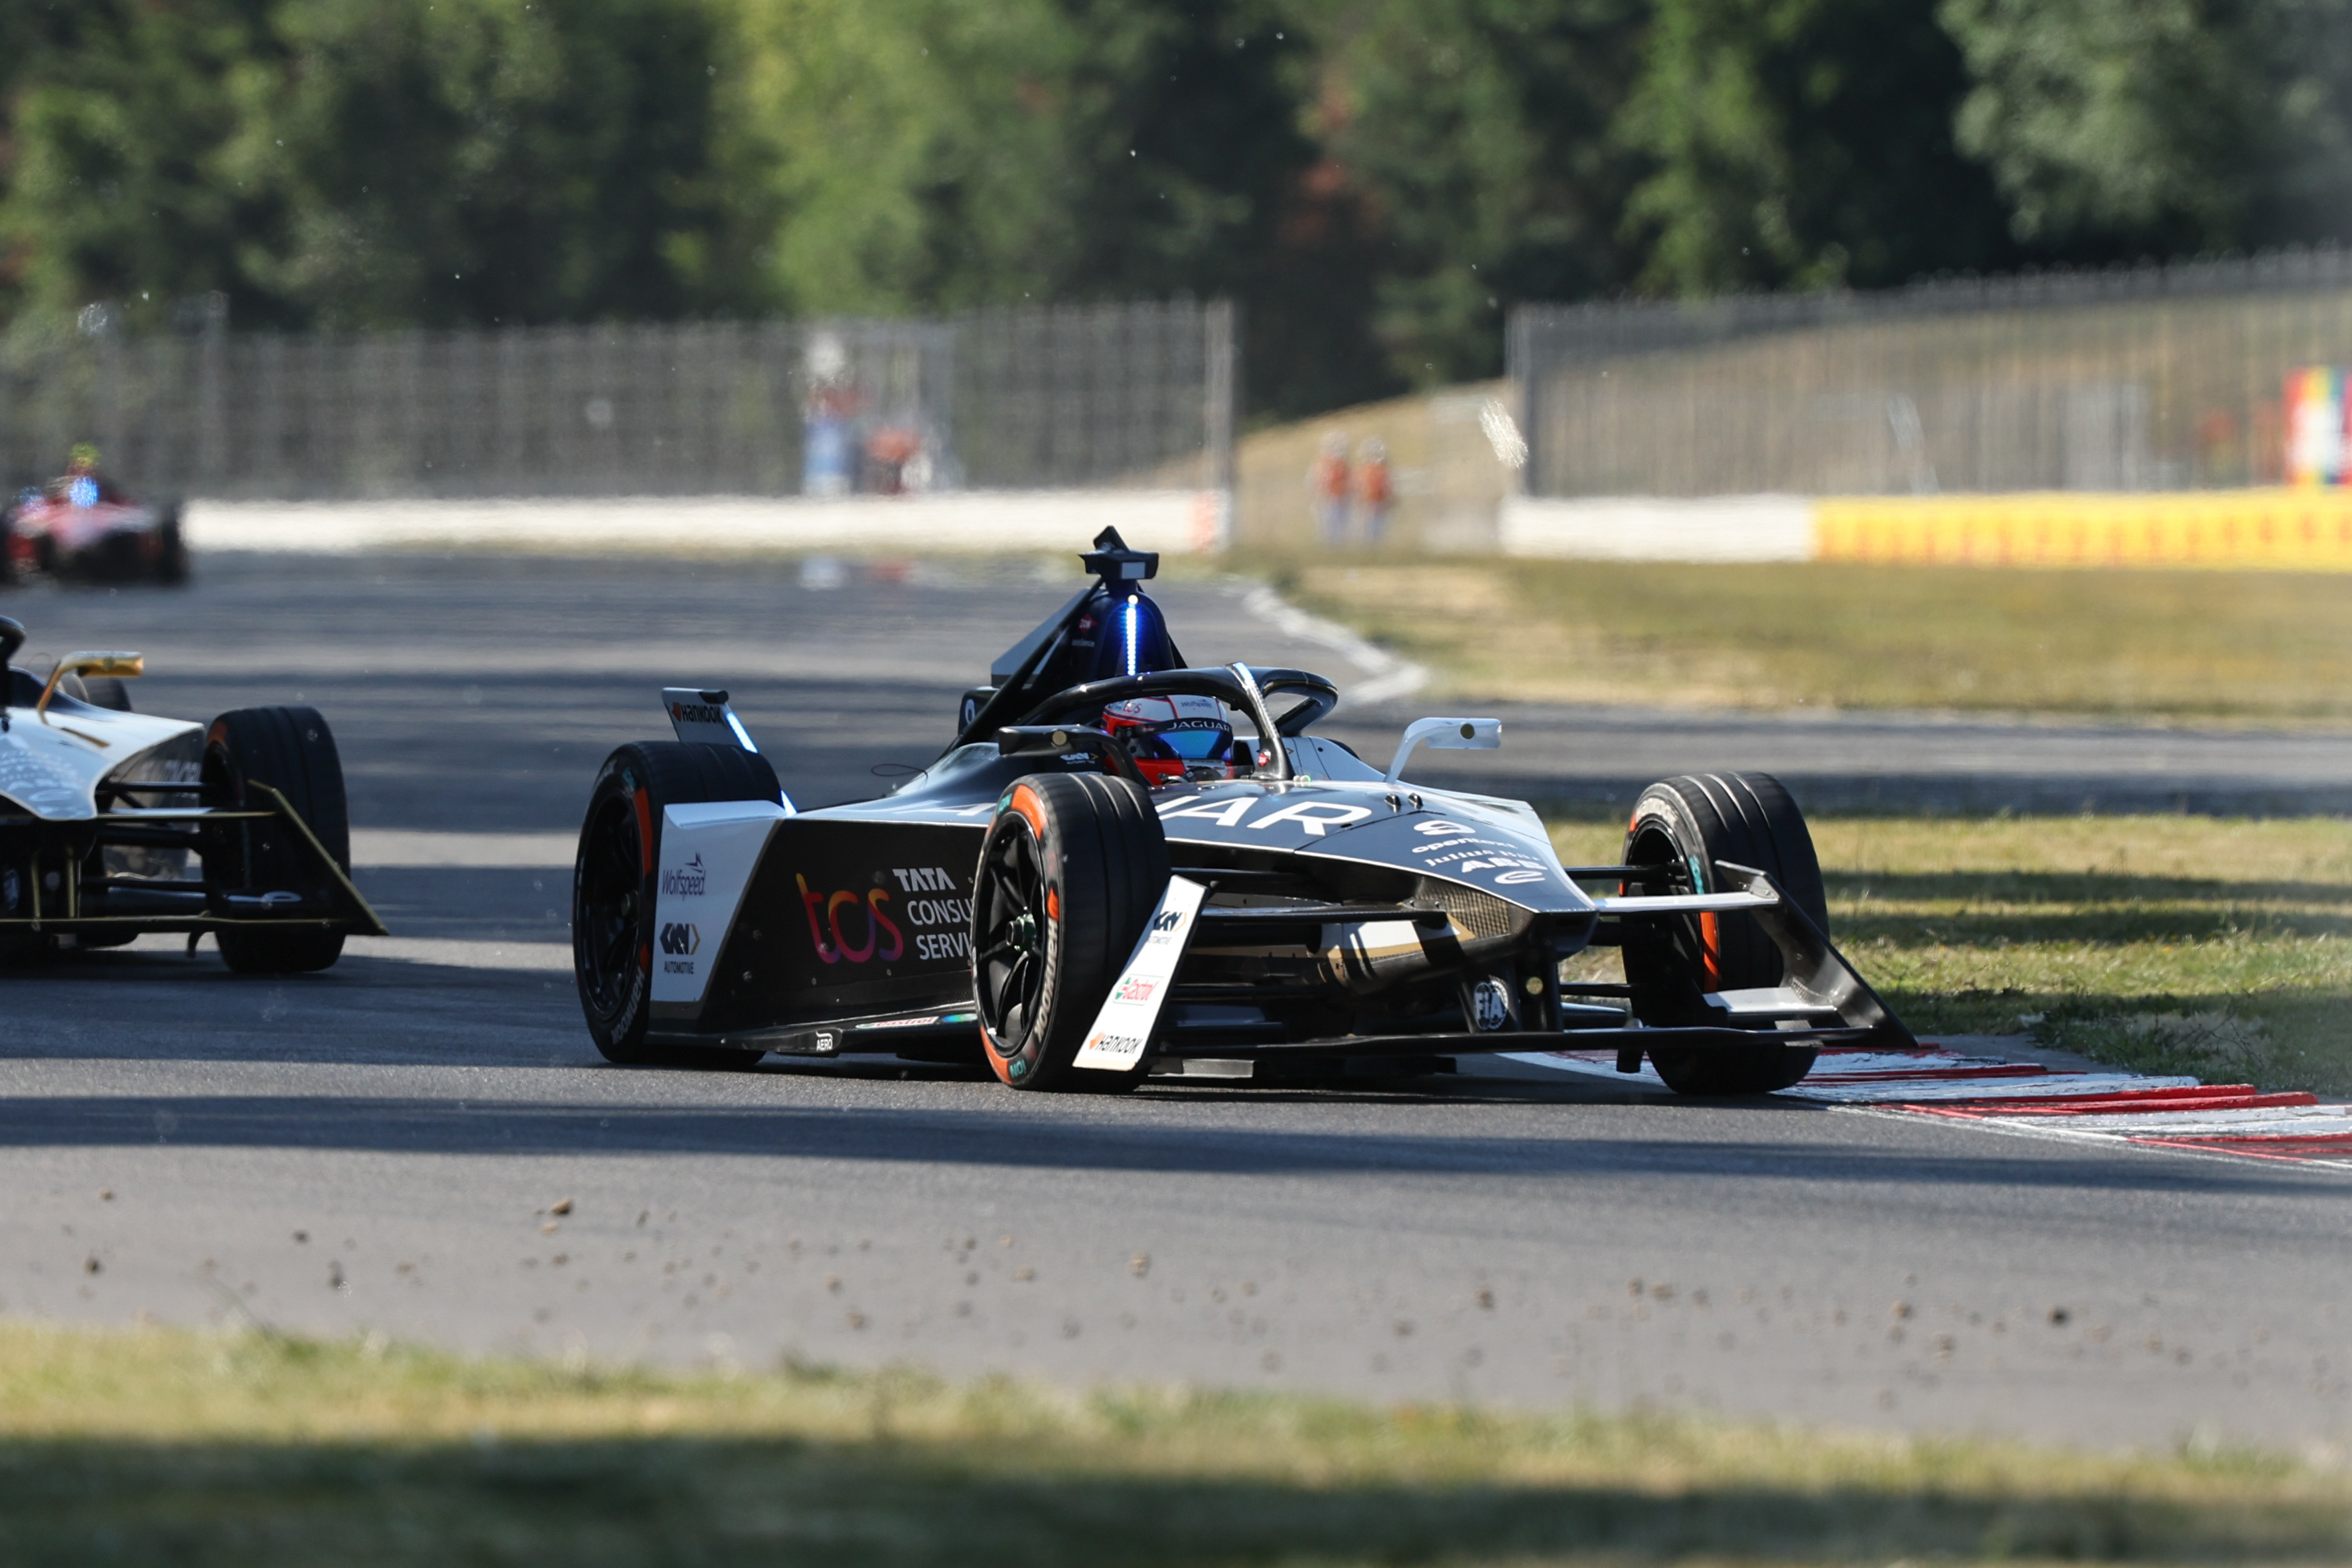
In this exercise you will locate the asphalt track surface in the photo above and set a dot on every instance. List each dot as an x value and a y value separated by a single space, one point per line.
378 1148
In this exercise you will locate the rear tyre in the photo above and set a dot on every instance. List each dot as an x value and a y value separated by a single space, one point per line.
171 548
1687 824
106 691
291 750
122 557
613 889
1069 875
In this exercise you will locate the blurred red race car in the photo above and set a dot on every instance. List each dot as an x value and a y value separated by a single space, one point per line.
83 525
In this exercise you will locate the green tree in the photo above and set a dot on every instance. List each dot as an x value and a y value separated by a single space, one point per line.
116 185
2155 127
1477 132
1196 171
369 163
488 161
894 156
904 155
1804 143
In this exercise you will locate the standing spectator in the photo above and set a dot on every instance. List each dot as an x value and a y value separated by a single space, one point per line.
1326 485
1374 491
827 456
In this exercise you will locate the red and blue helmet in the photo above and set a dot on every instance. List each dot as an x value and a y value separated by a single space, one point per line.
1173 738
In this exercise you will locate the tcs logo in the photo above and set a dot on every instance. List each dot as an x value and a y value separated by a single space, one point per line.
868 933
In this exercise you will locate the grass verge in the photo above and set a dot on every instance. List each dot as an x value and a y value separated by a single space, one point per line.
2162 944
168 1445
2251 647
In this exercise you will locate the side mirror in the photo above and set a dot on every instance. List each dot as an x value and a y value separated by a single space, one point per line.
120 666
1446 735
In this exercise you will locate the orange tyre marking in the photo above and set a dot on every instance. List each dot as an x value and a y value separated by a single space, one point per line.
998 1063
1710 951
644 832
1053 903
1031 809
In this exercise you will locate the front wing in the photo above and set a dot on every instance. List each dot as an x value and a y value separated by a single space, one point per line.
141 905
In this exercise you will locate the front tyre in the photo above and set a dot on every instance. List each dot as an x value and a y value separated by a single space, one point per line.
291 750
1687 825
613 889
1070 871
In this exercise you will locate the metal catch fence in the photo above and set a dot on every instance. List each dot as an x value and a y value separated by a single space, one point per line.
2156 378
1136 395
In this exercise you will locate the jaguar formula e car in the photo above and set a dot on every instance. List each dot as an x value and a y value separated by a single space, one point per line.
1127 866
115 823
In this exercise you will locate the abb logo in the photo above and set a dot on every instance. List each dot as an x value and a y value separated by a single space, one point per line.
868 934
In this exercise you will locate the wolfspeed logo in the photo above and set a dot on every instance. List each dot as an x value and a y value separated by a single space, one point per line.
680 941
685 881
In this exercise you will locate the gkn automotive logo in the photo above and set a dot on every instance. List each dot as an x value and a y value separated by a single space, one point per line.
680 941
685 881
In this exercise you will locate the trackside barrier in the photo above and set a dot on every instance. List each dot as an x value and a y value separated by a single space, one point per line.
2273 529
1177 522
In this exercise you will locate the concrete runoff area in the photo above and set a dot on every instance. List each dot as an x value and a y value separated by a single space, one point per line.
382 1146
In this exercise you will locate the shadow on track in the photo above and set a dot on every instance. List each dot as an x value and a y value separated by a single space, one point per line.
1119 1141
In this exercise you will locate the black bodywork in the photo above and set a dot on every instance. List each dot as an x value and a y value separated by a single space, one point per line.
1350 914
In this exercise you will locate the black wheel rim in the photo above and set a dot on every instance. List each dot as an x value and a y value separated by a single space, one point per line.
607 907
1009 959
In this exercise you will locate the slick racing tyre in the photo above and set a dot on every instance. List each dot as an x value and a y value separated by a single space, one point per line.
612 888
1070 871
98 691
291 750
1687 824
170 562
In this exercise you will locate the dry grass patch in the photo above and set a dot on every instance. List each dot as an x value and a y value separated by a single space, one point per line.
2165 943
175 1447
2249 647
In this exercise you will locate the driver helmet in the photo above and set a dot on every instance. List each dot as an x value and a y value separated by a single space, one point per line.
1173 738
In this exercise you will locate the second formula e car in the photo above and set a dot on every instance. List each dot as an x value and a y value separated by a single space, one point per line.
1125 865
84 527
115 823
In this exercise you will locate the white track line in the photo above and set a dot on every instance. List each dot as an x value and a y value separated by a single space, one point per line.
1389 676
2144 1126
